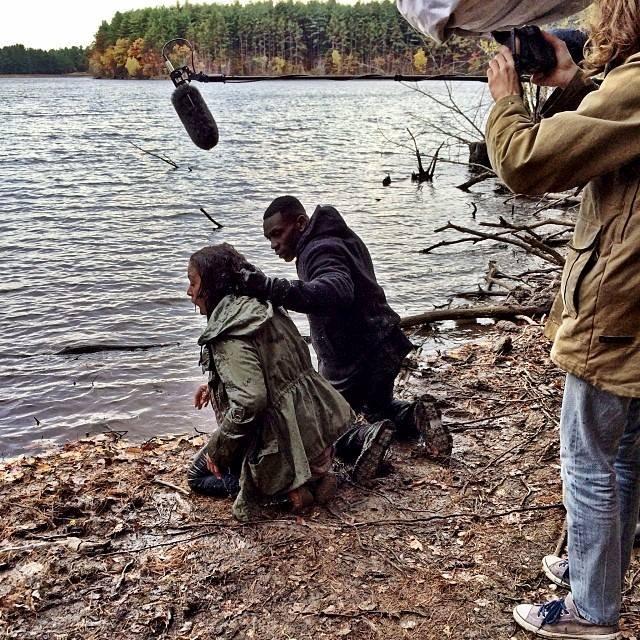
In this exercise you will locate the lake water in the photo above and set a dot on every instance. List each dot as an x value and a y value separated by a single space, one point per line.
95 235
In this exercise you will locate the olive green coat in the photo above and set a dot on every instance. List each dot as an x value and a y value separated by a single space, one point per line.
595 322
275 412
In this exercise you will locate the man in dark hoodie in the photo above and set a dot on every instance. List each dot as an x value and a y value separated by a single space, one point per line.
354 331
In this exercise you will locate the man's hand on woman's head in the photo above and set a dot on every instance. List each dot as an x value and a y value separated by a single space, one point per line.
254 283
502 75
202 396
562 74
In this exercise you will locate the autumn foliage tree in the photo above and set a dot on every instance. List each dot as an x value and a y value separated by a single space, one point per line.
285 37
260 38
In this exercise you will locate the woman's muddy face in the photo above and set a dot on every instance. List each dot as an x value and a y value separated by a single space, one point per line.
193 291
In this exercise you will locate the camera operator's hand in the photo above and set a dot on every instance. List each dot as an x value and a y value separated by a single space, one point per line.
502 75
565 69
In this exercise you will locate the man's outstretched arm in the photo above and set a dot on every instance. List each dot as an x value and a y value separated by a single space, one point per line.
328 284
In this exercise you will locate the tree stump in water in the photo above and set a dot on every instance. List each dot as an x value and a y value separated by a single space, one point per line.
478 155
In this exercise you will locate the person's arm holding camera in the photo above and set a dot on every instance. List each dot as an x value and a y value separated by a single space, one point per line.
503 77
563 151
564 71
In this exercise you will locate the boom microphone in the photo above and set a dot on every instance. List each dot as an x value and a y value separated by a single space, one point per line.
189 103
195 116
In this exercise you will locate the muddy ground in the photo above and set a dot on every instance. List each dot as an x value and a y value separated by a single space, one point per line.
101 539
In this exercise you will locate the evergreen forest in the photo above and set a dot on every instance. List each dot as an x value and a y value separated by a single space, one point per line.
262 38
19 59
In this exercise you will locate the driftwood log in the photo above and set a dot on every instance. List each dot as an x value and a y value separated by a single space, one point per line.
438 315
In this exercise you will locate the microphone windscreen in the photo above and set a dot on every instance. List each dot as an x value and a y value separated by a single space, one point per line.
195 116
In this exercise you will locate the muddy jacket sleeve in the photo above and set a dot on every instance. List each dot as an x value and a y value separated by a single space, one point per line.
238 366
572 147
326 285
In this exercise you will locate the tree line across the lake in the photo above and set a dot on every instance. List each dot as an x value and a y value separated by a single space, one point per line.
20 59
258 38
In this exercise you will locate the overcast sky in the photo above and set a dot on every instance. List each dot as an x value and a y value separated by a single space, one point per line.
53 24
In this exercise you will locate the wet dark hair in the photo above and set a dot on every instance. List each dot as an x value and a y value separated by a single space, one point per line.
288 206
219 266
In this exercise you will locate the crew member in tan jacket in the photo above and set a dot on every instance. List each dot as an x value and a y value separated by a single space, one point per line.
592 139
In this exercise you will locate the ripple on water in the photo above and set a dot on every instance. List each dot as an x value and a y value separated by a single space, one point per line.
95 235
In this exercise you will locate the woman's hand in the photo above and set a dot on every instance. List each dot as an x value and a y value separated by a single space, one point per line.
562 74
502 75
213 467
202 396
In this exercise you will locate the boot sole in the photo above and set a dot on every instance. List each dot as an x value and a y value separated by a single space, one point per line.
554 578
433 433
368 462
543 633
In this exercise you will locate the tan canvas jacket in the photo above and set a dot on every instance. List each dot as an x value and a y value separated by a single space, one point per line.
595 322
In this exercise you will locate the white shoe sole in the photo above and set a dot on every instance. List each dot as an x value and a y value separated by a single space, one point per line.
544 633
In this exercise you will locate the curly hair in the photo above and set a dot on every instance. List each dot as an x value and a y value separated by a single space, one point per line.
219 266
614 32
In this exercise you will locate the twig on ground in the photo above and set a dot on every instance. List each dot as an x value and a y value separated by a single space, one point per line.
175 487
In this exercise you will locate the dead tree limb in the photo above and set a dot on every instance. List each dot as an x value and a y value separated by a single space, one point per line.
438 315
218 225
480 293
541 223
422 175
485 175
529 245
169 161
432 165
421 171
535 239
471 124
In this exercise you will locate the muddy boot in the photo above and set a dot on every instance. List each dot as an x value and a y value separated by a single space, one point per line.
434 436
325 488
373 451
300 499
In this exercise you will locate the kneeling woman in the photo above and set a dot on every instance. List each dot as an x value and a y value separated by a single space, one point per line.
278 418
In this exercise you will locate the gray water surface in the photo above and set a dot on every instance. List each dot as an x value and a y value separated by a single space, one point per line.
95 235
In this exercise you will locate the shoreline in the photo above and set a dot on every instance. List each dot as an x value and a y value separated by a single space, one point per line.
102 534
428 339
75 74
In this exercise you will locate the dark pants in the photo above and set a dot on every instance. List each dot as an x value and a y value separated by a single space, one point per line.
372 396
201 480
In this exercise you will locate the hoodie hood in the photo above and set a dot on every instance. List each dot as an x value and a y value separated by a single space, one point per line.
325 222
236 316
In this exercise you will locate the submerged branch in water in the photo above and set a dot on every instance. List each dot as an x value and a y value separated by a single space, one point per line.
218 225
96 348
169 161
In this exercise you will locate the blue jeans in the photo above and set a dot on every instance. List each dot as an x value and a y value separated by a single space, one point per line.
600 457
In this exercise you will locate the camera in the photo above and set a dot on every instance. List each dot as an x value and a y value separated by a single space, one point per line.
533 54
